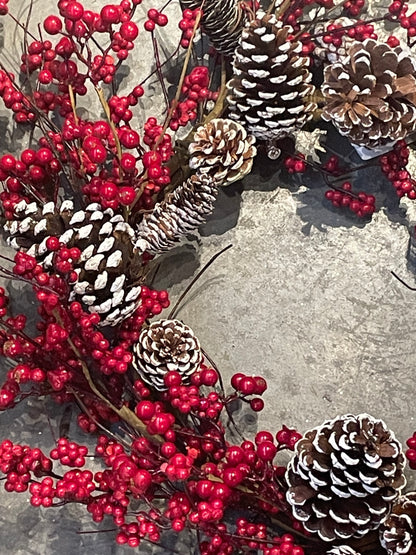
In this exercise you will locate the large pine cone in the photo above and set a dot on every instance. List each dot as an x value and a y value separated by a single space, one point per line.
222 20
345 476
179 213
270 92
164 346
222 149
398 532
109 267
371 95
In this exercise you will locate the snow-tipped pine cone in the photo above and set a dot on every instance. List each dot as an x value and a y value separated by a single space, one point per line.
222 149
164 346
181 212
109 268
398 532
371 94
344 477
270 92
222 21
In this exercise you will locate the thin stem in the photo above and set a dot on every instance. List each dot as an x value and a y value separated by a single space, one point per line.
175 309
403 282
159 70
106 109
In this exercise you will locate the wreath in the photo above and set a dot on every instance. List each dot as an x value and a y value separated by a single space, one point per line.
97 196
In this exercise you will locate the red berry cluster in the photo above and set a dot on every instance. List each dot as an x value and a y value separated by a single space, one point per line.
155 18
187 24
42 493
19 463
295 164
287 438
76 485
189 399
360 203
194 90
393 165
69 453
362 30
36 171
399 10
411 452
353 7
258 532
250 385
14 99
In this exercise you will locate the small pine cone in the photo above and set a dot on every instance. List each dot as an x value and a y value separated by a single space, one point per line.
345 476
342 550
398 532
221 148
270 91
108 268
179 213
164 346
329 52
371 95
222 20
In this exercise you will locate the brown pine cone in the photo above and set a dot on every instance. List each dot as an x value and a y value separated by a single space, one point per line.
344 477
109 269
179 213
371 95
397 533
270 91
222 149
164 346
222 20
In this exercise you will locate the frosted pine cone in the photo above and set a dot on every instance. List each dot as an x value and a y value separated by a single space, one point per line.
270 91
222 20
345 476
371 95
109 267
342 550
221 148
165 346
179 213
397 533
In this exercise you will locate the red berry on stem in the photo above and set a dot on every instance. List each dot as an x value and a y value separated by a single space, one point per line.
52 25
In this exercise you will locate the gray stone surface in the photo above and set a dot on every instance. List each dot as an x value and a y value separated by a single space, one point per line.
305 297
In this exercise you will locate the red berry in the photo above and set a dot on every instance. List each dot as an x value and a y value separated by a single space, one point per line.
129 30
52 25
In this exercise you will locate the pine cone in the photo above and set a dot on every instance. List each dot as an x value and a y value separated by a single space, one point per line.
398 533
164 346
222 20
109 267
270 91
221 148
344 477
181 212
371 95
342 550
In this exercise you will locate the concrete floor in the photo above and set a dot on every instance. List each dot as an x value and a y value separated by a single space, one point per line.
305 298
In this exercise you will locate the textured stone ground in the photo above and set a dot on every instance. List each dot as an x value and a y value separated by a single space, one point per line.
305 297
